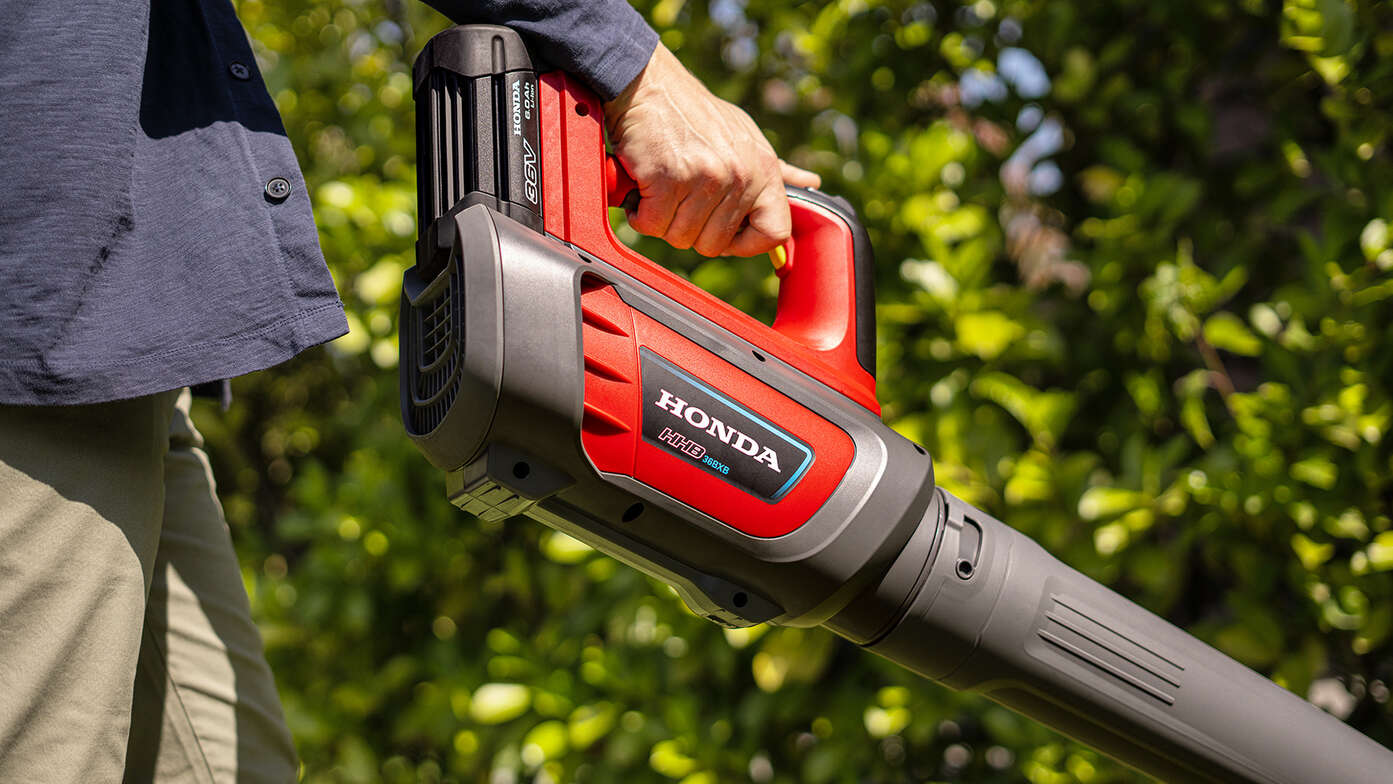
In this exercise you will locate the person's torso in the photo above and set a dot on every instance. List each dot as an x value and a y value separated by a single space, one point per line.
156 231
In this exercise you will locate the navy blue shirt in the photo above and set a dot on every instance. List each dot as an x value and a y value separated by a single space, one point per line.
155 231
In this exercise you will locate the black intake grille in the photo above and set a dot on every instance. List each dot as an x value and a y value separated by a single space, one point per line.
435 343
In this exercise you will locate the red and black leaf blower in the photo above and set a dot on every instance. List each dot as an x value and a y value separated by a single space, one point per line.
552 372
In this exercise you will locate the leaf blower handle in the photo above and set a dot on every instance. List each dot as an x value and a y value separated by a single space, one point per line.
620 188
997 614
826 271
827 291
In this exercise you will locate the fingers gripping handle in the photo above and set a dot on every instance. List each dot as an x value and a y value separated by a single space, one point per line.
620 188
826 271
999 615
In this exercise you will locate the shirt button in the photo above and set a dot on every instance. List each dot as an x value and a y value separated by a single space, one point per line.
240 72
277 189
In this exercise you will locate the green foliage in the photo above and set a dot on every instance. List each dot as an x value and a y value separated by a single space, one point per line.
1136 310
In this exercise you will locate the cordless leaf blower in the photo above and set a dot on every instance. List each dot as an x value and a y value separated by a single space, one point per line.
552 372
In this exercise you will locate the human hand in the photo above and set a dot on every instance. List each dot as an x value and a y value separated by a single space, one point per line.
707 178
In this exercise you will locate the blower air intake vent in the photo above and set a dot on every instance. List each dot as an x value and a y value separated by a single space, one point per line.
434 338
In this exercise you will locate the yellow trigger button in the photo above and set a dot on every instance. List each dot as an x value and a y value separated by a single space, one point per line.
779 258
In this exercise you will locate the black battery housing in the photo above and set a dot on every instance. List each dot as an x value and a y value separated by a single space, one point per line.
478 131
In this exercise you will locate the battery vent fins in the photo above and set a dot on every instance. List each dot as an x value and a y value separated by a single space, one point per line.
478 131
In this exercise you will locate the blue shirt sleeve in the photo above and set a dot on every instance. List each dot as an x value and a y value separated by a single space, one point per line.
605 42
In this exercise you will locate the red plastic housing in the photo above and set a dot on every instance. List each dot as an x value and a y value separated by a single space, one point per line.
611 431
815 327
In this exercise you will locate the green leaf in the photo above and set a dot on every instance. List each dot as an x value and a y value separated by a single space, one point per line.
1373 240
1224 330
1316 471
883 722
495 703
988 333
565 549
590 723
1337 26
1381 551
669 758
548 739
1312 555
1044 414
1102 503
1196 421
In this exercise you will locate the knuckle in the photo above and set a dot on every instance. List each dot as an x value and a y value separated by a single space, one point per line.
711 175
741 177
730 223
644 222
777 232
687 172
679 235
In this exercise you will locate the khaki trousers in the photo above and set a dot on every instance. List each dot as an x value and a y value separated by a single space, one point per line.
127 649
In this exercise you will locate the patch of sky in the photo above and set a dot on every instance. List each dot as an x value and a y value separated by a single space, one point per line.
966 16
740 53
1023 71
920 12
1028 162
1047 140
388 32
728 13
1029 117
976 87
1009 31
843 129
1045 178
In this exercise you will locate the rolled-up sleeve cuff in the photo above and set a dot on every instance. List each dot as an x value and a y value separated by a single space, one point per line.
626 53
604 42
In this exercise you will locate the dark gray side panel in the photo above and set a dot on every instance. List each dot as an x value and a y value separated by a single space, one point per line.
1038 637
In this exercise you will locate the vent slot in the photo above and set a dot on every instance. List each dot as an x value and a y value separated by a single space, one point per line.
449 140
1112 650
435 341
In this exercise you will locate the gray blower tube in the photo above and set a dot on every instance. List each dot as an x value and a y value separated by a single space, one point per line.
990 611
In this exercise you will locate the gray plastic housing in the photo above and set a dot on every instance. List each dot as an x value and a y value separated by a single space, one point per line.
997 614
492 384
511 439
889 562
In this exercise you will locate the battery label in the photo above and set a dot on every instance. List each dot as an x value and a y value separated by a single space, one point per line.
685 416
524 124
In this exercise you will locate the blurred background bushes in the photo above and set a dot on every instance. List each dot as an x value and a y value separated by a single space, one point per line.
1134 265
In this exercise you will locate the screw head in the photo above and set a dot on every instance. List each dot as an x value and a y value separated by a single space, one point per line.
277 188
240 71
